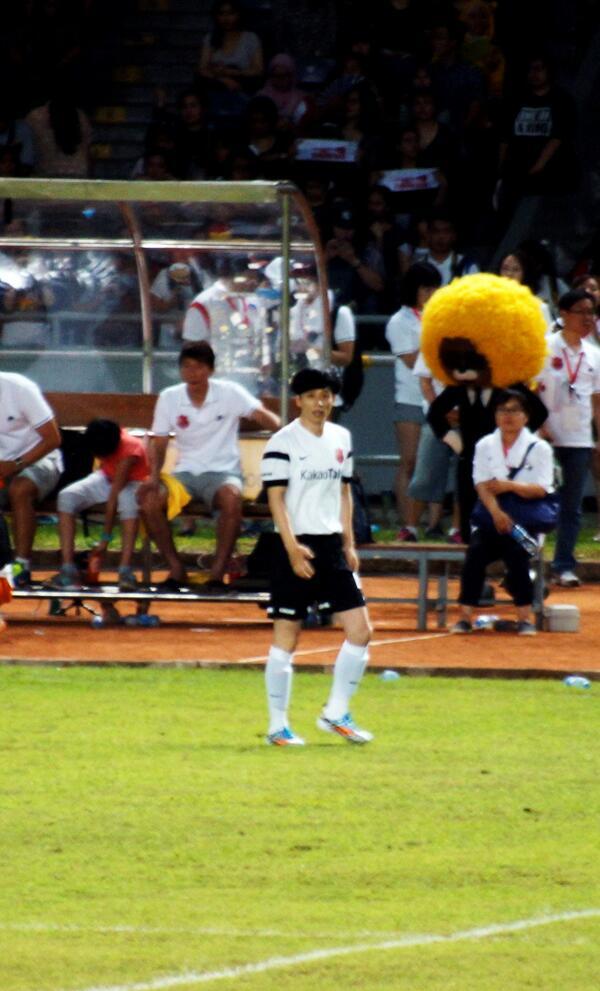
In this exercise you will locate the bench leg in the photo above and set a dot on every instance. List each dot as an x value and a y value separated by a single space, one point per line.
423 591
538 589
147 560
442 598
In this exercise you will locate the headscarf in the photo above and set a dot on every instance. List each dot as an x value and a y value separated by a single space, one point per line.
287 101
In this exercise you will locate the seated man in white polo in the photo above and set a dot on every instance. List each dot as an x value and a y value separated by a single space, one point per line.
203 413
30 461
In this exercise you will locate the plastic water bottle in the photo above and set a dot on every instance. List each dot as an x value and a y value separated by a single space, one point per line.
92 575
486 621
527 542
577 681
389 675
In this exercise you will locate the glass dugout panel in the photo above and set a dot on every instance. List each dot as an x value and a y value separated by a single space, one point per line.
100 282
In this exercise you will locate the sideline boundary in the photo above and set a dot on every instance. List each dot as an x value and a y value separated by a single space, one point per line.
405 942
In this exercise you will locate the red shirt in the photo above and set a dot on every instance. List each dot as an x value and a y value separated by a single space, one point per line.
129 447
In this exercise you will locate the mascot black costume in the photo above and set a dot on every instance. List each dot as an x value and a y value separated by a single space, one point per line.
481 334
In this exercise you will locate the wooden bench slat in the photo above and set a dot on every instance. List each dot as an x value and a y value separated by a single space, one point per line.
76 409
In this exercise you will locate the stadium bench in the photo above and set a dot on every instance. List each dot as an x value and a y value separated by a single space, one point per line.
73 410
445 555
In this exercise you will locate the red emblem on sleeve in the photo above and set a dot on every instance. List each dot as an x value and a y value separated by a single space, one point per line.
557 362
182 421
339 454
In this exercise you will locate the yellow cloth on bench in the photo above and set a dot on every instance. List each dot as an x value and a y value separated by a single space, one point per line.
177 495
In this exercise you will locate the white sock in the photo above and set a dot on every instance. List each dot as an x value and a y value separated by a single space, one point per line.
347 673
278 680
24 561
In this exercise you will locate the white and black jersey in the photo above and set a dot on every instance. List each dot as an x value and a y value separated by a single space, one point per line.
313 469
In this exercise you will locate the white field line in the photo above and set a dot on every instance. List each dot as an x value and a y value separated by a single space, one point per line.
192 978
65 929
335 648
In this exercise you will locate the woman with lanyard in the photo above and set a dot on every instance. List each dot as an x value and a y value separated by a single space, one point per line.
231 318
591 283
307 324
403 333
570 387
511 459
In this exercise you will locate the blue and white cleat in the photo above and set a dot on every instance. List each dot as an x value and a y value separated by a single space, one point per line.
284 738
346 728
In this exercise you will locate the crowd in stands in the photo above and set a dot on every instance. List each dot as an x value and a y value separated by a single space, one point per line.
429 106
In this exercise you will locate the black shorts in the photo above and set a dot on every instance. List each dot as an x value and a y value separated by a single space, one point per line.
333 587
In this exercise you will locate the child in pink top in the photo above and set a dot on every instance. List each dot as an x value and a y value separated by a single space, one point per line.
123 466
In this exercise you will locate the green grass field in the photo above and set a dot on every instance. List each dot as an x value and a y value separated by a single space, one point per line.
151 840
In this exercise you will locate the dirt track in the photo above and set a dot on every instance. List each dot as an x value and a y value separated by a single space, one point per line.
208 634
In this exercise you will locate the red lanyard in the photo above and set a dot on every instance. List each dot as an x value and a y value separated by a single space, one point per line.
572 375
244 314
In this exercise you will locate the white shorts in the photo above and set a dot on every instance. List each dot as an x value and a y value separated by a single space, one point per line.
94 489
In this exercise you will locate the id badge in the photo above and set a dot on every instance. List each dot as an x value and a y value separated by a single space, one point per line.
571 417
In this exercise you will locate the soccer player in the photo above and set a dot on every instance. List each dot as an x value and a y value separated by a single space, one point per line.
306 468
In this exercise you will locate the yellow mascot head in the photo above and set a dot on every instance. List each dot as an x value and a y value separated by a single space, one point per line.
483 330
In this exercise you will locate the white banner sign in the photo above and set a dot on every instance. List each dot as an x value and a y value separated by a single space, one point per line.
326 150
409 180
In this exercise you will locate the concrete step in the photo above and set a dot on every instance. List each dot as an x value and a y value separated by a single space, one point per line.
117 151
171 75
175 74
169 57
130 94
109 133
137 114
111 169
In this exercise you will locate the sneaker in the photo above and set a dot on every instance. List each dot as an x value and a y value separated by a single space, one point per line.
171 585
284 738
567 579
454 537
345 727
526 629
127 580
215 586
406 535
67 579
463 626
434 532
21 577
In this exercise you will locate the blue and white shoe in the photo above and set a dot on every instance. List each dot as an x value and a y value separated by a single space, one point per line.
346 728
284 738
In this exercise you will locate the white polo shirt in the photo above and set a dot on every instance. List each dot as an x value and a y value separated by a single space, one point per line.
206 436
490 461
421 370
307 328
217 311
313 470
569 379
22 409
403 334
